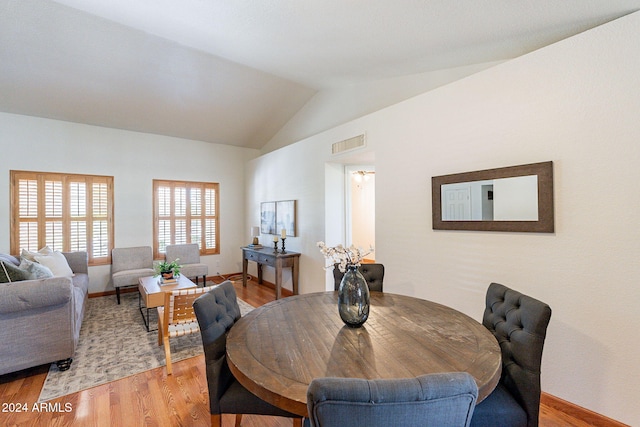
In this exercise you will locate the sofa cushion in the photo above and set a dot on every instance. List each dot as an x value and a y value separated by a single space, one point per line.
35 270
11 273
57 263
130 277
81 281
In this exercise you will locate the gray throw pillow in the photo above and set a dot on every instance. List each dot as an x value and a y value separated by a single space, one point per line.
11 273
35 270
10 258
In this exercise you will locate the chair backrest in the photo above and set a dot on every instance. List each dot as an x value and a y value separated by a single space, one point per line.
134 258
217 311
178 307
519 323
187 253
373 274
437 400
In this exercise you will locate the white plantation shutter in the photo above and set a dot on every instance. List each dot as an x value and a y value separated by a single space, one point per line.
185 212
101 202
66 212
211 220
53 214
27 233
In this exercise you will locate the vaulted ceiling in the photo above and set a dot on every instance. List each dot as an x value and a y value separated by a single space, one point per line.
234 72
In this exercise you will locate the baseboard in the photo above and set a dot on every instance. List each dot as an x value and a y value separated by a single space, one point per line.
589 417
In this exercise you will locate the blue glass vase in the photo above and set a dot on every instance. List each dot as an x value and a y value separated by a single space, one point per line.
353 298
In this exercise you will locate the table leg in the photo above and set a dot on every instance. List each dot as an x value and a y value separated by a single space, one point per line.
144 319
294 275
278 278
245 265
259 273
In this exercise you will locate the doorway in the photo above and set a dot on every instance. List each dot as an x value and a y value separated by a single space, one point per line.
360 207
349 208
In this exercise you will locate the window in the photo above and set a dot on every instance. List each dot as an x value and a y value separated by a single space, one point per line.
66 212
185 212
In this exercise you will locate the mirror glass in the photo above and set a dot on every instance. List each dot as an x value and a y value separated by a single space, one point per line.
503 199
516 198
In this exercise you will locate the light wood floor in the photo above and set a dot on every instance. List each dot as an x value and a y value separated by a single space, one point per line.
152 398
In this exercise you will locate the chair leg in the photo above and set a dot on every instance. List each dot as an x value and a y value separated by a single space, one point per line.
167 355
297 422
118 294
216 420
239 420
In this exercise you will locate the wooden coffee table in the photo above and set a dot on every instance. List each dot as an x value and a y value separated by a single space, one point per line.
152 293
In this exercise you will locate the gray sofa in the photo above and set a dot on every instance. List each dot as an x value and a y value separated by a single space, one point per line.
41 319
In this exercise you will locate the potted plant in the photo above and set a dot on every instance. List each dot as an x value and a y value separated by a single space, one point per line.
167 270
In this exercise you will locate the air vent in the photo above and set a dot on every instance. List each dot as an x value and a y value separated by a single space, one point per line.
348 144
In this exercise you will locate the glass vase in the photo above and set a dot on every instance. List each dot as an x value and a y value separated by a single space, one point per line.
353 298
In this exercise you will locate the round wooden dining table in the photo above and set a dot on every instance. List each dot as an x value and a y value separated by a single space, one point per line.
277 349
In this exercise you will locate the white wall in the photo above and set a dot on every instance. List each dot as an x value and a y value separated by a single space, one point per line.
134 160
333 107
575 103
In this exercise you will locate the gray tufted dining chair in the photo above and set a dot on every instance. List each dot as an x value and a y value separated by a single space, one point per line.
434 400
519 323
217 311
373 274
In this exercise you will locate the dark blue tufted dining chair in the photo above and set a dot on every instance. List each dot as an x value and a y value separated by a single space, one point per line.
217 311
519 323
373 274
434 400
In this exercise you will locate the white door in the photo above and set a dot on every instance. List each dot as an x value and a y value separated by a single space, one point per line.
456 203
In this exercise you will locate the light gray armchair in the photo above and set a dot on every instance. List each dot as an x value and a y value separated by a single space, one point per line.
189 259
437 400
130 264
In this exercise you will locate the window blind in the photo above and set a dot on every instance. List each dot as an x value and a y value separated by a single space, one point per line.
67 212
185 212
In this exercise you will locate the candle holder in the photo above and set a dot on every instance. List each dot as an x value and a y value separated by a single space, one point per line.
275 246
283 239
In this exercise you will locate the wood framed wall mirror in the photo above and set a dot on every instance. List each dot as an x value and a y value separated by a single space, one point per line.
515 198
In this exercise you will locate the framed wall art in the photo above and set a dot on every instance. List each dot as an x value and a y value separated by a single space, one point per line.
286 217
278 216
268 217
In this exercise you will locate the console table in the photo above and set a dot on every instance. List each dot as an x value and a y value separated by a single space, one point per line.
277 260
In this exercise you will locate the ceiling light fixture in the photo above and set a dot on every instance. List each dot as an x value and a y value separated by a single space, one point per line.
359 175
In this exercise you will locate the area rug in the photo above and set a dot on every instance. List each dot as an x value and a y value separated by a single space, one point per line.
114 344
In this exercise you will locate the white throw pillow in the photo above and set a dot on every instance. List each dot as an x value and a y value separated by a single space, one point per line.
57 263
31 256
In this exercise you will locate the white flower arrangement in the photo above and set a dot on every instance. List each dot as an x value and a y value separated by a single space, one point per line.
342 256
